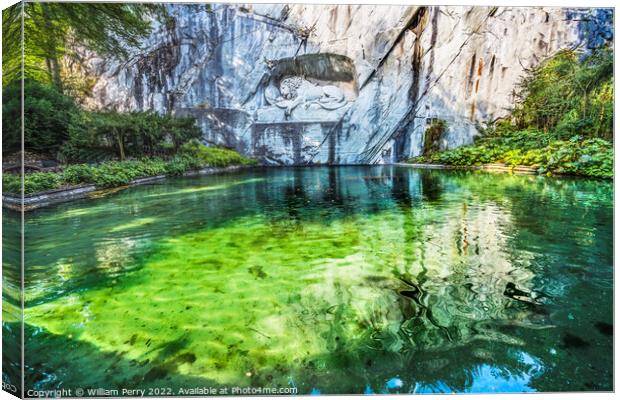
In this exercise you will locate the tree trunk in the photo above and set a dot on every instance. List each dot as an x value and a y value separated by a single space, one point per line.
51 58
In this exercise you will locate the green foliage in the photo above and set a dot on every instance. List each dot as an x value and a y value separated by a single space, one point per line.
53 123
33 183
98 136
562 124
53 32
214 156
116 173
565 96
11 183
41 181
432 136
120 173
48 114
11 39
181 164
79 173
589 157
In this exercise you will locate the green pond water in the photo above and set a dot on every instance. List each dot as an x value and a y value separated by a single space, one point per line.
329 280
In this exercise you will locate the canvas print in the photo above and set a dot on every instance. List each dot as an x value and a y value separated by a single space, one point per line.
214 199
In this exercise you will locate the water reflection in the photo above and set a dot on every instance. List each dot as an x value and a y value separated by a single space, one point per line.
11 304
340 280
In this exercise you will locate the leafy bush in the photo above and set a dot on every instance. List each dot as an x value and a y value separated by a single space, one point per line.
113 174
120 173
214 156
432 136
181 164
73 152
11 183
41 181
589 157
84 143
98 136
562 123
33 183
48 115
79 173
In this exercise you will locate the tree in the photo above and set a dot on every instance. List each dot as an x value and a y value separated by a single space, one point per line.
568 94
51 29
48 115
11 43
181 130
132 134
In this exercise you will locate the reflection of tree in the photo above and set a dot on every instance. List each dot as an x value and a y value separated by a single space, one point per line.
11 300
447 329
334 194
77 264
431 185
376 285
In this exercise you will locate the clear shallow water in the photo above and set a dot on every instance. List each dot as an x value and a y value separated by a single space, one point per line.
332 280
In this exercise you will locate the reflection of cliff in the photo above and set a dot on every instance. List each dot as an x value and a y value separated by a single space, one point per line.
336 279
397 67
298 296
445 278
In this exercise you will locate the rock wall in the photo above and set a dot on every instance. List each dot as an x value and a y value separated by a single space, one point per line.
374 77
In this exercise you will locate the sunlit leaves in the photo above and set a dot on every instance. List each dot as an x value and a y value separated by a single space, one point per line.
56 31
565 94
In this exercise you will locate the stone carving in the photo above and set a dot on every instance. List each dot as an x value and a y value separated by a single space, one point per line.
296 91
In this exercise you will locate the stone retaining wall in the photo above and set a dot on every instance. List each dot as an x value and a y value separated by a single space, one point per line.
43 199
519 169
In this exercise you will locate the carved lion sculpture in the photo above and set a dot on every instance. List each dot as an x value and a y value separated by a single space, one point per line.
296 91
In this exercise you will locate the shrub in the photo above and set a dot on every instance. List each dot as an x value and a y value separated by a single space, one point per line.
181 164
563 122
432 136
48 115
98 136
33 183
589 157
116 173
79 173
214 156
41 181
120 173
11 183
151 167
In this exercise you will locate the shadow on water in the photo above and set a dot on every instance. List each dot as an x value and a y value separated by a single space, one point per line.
336 280
89 367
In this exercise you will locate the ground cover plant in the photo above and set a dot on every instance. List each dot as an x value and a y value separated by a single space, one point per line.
563 121
118 173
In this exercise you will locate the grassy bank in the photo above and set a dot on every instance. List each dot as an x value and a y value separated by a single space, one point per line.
118 173
104 148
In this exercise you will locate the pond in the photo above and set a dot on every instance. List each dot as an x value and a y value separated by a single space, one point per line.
382 279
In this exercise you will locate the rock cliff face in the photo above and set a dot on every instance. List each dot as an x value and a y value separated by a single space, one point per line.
342 84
